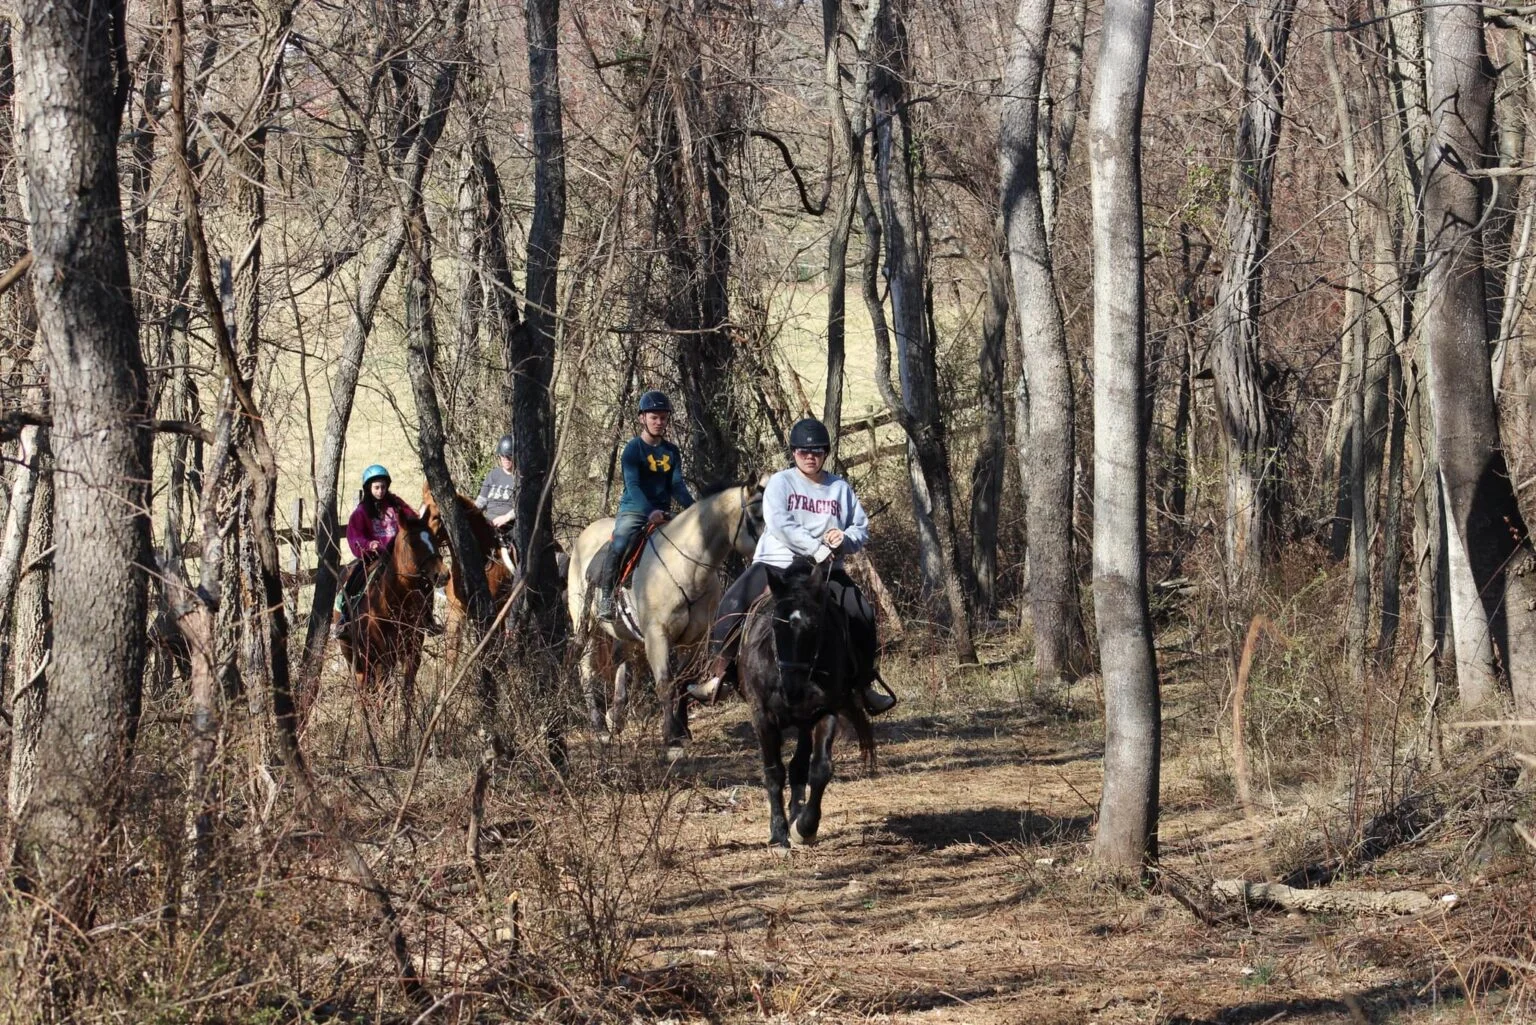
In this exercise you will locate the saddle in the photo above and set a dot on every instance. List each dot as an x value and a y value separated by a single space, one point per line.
629 559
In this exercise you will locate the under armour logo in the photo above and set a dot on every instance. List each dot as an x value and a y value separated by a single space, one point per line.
662 465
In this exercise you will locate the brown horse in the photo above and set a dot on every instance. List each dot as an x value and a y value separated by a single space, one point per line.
499 569
392 616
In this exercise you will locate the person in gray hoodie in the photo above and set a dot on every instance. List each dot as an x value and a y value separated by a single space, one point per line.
806 511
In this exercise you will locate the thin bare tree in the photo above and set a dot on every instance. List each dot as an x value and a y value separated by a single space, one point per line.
1127 836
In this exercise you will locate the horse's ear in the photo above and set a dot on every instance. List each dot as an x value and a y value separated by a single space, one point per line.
426 494
762 481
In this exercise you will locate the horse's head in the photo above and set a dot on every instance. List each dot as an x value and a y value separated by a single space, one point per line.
416 552
752 526
799 616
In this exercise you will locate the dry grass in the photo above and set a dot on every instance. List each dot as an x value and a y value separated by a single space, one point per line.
951 885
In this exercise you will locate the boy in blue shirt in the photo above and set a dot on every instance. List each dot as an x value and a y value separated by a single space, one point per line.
653 479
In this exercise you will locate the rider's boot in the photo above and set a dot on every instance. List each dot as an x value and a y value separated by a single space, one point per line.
721 673
876 699
605 593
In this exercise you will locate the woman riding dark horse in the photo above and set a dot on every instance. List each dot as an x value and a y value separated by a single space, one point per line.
394 609
370 530
807 513
796 672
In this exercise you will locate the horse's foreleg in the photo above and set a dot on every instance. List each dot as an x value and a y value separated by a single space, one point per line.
771 740
410 665
799 770
803 829
672 699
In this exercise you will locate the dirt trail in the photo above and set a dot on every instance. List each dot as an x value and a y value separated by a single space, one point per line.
950 887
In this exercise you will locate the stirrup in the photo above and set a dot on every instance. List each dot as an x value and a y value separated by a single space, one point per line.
605 609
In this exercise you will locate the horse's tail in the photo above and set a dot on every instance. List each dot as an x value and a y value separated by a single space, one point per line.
859 720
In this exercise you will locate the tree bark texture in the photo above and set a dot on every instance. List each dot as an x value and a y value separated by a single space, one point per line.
1046 466
1127 836
1241 404
1484 522
543 616
70 93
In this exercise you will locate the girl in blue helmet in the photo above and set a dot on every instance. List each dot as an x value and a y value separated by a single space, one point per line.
370 530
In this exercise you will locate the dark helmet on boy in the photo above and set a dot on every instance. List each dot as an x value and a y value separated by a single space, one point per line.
507 446
655 402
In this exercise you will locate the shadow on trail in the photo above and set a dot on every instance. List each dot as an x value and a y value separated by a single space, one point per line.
1380 1004
934 831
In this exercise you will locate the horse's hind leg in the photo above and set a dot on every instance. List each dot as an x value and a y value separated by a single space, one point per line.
618 710
771 740
803 829
591 692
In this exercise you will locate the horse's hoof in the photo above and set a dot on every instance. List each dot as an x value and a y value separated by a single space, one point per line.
675 753
797 840
780 850
604 737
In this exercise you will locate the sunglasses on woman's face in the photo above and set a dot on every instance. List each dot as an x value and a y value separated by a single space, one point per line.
810 452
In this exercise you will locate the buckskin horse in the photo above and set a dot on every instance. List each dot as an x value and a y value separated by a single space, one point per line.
499 569
795 671
390 622
669 606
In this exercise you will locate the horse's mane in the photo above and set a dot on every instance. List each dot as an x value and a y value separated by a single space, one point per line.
716 487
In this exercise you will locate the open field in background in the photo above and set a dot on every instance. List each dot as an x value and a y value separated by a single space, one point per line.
382 427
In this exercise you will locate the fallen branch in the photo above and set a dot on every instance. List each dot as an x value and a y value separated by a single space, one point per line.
1393 902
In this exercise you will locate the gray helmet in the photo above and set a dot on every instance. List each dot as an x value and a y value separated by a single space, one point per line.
809 433
655 402
507 446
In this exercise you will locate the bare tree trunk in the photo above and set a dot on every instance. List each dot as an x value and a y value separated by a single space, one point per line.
1242 407
917 405
1127 836
1392 526
850 129
1484 523
1047 463
1354 330
32 633
991 452
542 619
18 521
70 94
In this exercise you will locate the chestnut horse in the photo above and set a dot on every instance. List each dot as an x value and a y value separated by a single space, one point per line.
392 615
499 569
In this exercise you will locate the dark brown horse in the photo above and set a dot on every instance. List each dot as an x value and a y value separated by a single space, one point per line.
387 631
499 569
796 671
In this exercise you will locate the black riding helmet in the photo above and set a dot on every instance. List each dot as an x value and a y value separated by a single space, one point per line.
809 433
507 446
655 402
